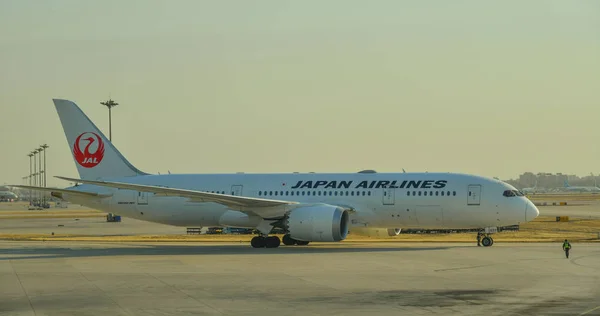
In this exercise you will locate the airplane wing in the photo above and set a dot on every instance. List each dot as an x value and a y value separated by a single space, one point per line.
72 192
235 202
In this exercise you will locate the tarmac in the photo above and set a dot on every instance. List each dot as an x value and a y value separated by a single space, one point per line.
81 278
347 278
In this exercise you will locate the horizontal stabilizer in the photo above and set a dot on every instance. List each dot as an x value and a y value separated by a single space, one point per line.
67 191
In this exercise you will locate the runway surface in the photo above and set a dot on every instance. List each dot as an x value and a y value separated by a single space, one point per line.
66 278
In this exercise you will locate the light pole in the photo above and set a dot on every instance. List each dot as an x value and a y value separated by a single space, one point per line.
35 169
40 166
109 104
40 174
30 155
44 146
43 179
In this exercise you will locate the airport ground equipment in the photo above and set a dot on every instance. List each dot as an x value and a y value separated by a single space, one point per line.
111 218
194 230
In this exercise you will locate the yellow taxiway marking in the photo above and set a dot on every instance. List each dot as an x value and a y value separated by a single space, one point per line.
589 311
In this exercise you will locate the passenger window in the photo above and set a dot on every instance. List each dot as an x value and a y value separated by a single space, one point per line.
442 193
275 193
407 193
437 193
448 193
259 193
419 193
369 193
347 193
454 193
352 193
414 193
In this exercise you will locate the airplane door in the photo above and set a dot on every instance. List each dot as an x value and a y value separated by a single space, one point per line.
236 190
142 198
474 195
389 196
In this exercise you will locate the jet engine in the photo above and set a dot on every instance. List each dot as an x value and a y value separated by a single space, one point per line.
318 223
375 232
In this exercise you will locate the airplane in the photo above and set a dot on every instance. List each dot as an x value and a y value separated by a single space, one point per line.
568 187
8 196
533 189
309 207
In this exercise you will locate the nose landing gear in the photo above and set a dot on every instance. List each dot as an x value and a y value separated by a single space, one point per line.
484 237
487 241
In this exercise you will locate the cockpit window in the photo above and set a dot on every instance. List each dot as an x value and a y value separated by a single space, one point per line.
510 193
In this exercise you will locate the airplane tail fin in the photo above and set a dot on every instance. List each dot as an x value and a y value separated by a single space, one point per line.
95 156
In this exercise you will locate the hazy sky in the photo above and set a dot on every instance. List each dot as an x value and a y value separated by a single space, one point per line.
491 88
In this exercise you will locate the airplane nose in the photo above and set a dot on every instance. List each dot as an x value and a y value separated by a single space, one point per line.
531 211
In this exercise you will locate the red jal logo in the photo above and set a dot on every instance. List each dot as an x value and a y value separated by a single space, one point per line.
85 158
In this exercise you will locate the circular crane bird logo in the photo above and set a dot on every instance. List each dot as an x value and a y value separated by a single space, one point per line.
91 141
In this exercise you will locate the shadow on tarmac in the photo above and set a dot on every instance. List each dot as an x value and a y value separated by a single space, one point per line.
97 250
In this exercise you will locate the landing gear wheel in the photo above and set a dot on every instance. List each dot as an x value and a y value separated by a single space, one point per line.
272 242
288 240
487 241
258 242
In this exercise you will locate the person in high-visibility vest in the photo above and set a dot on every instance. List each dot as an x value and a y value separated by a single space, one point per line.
566 247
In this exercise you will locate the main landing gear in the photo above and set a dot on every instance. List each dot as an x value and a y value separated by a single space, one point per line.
274 242
265 242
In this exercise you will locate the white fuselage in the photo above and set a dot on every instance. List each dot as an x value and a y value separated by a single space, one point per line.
404 200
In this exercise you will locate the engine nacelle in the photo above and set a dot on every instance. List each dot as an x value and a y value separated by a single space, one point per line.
375 232
318 223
